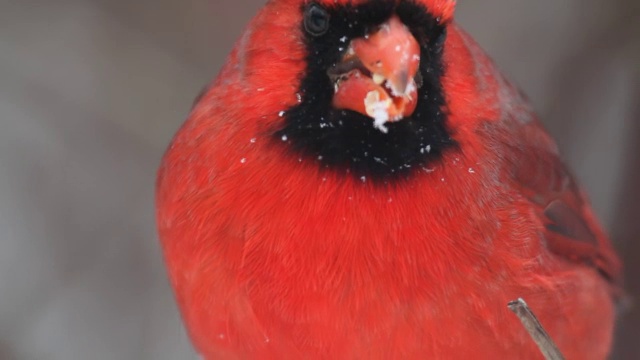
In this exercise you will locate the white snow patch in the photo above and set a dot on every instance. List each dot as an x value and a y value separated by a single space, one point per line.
411 87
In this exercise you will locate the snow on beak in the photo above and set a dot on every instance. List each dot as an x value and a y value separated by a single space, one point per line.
377 75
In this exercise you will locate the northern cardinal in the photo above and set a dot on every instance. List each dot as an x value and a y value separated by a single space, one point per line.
360 182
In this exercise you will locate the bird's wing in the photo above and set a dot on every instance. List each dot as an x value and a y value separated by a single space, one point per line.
571 229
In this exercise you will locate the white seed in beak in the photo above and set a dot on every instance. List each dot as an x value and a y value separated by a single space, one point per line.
378 109
378 79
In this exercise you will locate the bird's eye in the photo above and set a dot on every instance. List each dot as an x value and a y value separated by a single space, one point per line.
316 20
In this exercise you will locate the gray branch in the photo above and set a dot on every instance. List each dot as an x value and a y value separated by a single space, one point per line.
535 329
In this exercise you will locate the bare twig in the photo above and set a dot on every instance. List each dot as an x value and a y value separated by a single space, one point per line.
535 329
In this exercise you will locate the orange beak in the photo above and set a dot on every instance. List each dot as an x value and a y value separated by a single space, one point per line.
376 77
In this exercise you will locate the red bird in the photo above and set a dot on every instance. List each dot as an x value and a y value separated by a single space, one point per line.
360 182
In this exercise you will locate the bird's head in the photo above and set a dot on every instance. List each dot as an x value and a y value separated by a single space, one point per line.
354 84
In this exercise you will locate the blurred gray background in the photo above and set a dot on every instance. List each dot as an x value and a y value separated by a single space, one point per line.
91 92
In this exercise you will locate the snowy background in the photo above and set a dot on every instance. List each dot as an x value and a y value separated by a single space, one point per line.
91 92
